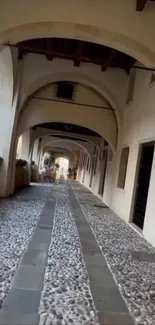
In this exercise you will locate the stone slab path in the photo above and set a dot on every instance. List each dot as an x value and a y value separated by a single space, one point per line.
73 267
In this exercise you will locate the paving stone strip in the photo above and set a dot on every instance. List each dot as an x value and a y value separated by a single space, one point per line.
129 256
80 258
66 297
112 309
22 302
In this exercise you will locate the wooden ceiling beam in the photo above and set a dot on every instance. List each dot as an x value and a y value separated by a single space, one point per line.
107 62
37 50
47 50
79 52
49 47
140 5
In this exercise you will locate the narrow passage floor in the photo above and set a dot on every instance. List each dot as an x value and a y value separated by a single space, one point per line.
65 258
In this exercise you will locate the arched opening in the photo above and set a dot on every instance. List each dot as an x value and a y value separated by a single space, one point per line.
45 107
119 36
19 147
78 142
77 98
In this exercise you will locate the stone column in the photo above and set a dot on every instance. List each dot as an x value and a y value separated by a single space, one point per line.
36 160
11 73
80 166
27 151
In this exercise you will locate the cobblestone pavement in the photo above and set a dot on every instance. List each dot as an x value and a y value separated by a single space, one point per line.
130 258
66 297
18 218
64 259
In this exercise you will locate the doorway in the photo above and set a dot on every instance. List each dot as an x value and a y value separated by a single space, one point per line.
143 181
103 167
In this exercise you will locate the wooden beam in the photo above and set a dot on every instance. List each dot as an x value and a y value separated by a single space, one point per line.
140 5
109 60
49 47
37 50
20 54
79 52
50 53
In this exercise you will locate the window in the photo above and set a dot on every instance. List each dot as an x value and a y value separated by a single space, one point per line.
65 90
152 78
123 167
132 79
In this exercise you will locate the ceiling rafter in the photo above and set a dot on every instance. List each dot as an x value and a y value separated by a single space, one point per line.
107 62
49 47
79 52
140 4
76 50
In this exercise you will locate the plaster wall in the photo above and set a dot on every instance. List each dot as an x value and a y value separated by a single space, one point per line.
137 128
111 84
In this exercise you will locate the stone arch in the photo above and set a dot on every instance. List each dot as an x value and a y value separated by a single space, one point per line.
80 78
106 125
67 157
7 117
83 31
65 150
89 139
38 112
72 142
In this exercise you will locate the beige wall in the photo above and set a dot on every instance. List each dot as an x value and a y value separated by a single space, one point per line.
138 127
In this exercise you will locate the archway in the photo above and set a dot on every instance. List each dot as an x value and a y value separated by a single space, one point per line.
68 143
63 165
41 111
117 36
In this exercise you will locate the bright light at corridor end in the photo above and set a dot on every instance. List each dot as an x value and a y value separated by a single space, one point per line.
64 164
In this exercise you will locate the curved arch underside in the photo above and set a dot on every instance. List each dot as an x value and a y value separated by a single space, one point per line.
65 143
119 38
61 151
93 83
43 111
